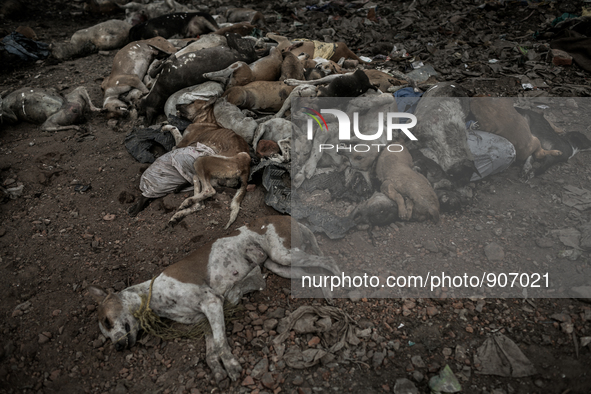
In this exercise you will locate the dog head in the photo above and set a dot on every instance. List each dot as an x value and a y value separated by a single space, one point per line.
115 108
116 320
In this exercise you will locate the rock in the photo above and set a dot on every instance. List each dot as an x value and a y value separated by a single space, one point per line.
561 317
417 361
405 386
248 381
260 369
378 359
278 313
169 203
298 381
544 242
494 252
112 123
54 375
109 217
431 246
585 341
313 342
418 376
120 389
43 339
560 58
432 311
270 324
446 352
237 327
268 381
263 308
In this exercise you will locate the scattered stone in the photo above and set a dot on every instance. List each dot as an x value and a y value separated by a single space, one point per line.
446 352
431 246
405 386
544 242
268 381
494 252
418 376
432 311
314 341
270 324
109 217
560 58
43 339
378 359
417 361
248 381
498 231
260 368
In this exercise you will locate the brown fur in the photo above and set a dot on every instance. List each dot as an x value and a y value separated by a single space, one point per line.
259 95
231 161
382 80
193 268
498 116
410 190
285 227
224 142
291 67
199 111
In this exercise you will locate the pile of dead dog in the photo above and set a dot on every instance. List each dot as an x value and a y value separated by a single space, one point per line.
226 97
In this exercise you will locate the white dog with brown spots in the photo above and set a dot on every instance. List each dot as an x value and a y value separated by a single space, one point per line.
222 270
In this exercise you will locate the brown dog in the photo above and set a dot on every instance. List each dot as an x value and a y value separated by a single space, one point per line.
130 65
231 161
267 68
259 95
314 49
498 116
410 190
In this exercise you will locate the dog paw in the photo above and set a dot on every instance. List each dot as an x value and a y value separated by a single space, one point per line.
233 367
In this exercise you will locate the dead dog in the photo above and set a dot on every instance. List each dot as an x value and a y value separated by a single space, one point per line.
220 271
412 192
47 107
184 24
498 116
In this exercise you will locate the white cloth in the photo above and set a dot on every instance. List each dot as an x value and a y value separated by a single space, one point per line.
171 170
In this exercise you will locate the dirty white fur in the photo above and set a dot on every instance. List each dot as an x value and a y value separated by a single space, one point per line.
230 267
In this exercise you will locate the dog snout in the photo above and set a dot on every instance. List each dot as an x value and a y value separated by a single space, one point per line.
120 345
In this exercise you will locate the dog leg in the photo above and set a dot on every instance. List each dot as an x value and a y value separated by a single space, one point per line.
174 131
82 93
60 128
296 273
216 342
321 81
543 153
389 190
527 172
242 161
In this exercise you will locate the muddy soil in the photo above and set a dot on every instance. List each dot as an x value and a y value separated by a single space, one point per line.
70 229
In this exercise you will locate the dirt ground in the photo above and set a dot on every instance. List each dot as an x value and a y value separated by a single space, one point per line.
70 229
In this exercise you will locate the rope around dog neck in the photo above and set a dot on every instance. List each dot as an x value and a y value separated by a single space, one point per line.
152 324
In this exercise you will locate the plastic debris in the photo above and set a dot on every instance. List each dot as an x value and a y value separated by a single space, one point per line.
500 356
445 382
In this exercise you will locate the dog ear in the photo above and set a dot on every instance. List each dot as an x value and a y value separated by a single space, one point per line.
97 293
